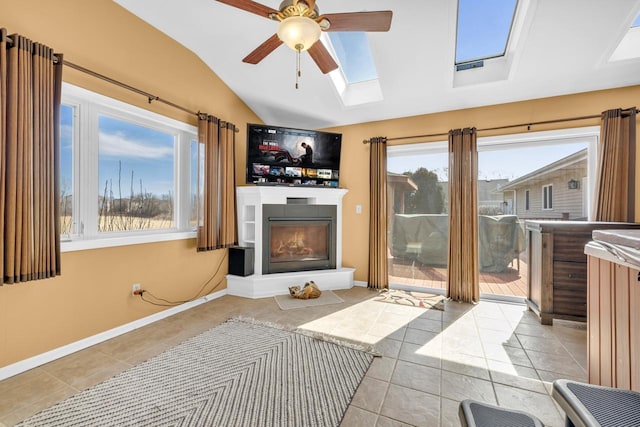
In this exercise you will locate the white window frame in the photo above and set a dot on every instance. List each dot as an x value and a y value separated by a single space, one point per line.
547 197
88 106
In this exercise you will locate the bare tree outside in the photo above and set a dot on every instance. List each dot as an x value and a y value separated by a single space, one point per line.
66 210
138 210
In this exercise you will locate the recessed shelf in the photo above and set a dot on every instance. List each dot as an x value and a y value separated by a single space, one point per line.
249 232
249 213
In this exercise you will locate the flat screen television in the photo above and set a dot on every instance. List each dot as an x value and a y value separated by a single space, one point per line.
284 156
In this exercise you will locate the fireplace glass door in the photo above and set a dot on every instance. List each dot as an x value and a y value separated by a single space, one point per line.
298 245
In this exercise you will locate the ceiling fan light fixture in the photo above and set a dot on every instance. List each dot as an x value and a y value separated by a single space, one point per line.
299 32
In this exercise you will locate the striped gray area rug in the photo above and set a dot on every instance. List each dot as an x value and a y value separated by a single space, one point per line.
239 373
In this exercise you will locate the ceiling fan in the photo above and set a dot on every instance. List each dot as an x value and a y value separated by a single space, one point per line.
300 26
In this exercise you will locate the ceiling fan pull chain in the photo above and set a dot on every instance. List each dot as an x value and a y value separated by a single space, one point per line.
298 72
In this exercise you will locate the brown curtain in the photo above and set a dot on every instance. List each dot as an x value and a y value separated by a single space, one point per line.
463 271
378 275
30 90
217 187
615 178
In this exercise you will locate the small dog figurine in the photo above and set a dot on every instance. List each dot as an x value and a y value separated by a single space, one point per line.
309 290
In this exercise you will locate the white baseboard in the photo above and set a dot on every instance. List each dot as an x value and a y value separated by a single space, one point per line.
360 283
49 356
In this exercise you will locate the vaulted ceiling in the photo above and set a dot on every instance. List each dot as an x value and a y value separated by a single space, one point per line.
556 48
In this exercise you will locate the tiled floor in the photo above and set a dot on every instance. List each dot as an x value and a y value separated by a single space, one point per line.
430 360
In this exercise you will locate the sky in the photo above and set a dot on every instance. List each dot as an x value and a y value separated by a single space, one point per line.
354 55
148 153
483 28
509 163
66 145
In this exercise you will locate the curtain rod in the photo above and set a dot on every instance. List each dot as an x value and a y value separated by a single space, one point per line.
528 125
150 97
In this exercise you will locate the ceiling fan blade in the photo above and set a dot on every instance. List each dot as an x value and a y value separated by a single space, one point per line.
271 44
359 21
322 57
251 6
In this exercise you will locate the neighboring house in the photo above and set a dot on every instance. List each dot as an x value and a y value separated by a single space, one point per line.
555 191
398 186
490 201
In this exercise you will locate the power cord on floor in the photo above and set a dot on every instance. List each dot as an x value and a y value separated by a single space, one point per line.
199 294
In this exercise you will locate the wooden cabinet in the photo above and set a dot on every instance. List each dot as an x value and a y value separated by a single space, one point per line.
614 321
557 267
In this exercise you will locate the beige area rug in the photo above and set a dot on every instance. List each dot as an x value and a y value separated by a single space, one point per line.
240 373
287 302
411 298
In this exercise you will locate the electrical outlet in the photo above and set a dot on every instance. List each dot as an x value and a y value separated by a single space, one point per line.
135 287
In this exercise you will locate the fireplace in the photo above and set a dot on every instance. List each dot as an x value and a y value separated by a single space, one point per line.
316 254
298 237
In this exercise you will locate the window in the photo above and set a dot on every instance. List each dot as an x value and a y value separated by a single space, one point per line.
356 79
552 158
547 197
354 55
134 176
197 149
483 28
629 46
67 138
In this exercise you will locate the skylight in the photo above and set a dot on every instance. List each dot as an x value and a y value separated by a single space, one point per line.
629 46
354 56
483 28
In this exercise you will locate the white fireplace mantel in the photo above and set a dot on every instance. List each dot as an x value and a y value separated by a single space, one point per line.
249 201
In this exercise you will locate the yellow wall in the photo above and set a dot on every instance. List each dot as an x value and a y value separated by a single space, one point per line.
93 293
354 171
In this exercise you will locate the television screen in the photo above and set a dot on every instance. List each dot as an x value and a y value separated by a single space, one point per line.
283 156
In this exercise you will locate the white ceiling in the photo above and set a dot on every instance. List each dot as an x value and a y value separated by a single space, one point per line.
560 47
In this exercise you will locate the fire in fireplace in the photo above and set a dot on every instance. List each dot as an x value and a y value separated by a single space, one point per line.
298 238
299 242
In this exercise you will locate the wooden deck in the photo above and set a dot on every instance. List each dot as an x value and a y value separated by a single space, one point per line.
511 282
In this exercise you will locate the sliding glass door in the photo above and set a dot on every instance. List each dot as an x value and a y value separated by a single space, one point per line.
418 221
535 176
532 176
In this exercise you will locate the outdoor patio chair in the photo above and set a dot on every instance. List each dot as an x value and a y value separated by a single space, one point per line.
588 405
479 414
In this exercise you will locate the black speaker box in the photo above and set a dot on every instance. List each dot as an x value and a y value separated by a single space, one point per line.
241 261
